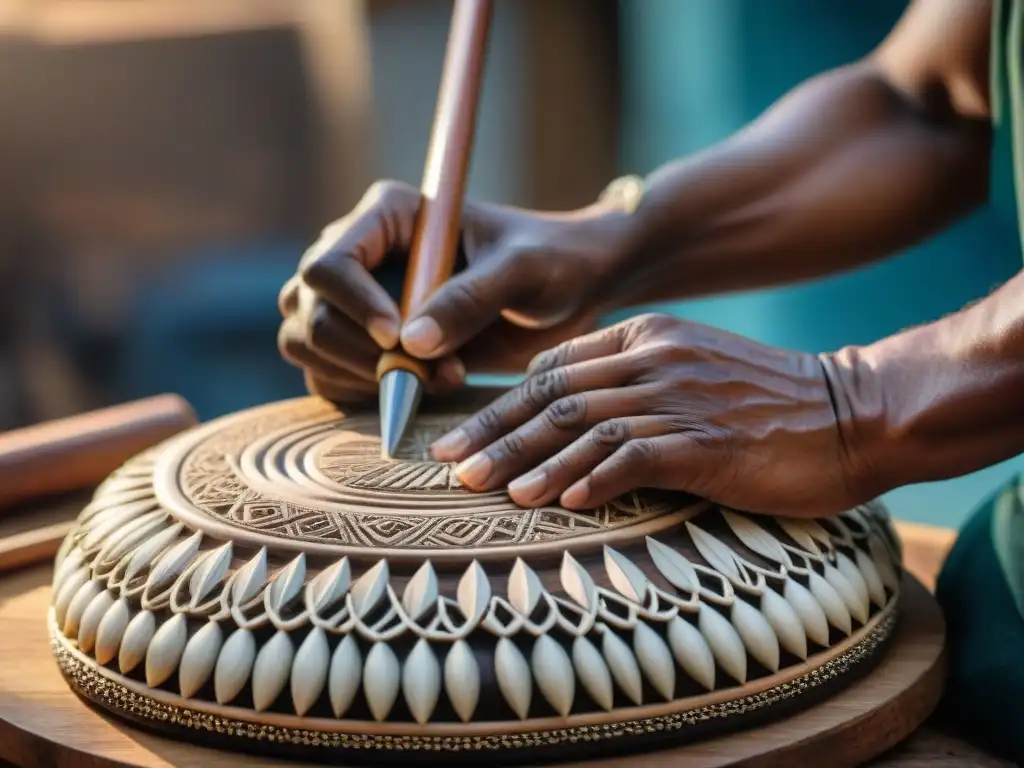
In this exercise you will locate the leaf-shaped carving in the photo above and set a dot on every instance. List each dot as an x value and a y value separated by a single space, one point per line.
655 660
808 609
136 639
420 594
883 562
369 588
623 666
71 563
286 585
593 673
577 583
111 630
692 652
724 641
144 556
524 588
831 602
199 658
309 670
513 676
719 556
785 622
554 673
796 529
271 669
757 634
381 680
462 680
210 572
676 569
165 650
234 665
329 586
421 681
850 586
629 580
126 538
474 594
170 566
866 567
345 675
77 607
250 578
756 538
67 593
91 619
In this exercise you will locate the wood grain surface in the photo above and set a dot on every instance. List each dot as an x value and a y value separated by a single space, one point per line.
43 724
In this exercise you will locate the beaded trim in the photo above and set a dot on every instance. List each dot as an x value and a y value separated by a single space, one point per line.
101 687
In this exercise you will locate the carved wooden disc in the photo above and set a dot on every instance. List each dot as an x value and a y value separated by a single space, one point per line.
269 579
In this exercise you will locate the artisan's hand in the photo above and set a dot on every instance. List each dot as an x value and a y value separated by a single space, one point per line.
527 272
658 402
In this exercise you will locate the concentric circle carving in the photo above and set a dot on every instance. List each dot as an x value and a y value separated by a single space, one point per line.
302 476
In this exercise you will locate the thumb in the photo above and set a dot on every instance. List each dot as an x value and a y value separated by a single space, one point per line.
463 307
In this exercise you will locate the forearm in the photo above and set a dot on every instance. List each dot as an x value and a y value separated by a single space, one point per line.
940 400
842 171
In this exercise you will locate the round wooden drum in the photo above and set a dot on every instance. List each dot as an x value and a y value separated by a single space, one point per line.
267 582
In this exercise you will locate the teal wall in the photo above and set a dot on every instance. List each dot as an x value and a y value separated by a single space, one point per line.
695 71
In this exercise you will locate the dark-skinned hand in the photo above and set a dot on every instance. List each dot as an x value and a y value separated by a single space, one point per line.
657 402
532 279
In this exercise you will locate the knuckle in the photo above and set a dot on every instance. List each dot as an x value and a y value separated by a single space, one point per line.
489 419
318 326
611 434
567 412
510 445
539 390
465 299
640 452
390 194
551 358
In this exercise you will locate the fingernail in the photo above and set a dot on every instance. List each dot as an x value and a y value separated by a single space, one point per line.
451 445
576 495
383 331
529 486
452 371
475 470
422 336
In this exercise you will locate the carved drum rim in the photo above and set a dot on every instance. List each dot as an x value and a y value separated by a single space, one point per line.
834 662
166 480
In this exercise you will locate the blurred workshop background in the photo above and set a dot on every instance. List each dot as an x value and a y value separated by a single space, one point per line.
163 163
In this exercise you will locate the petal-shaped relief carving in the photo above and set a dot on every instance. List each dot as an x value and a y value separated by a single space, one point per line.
165 650
234 665
622 664
866 567
725 643
811 614
785 622
71 563
91 619
421 681
271 670
577 583
250 579
881 557
798 530
68 590
593 673
286 586
149 550
381 680
209 573
199 658
125 539
513 676
77 607
718 555
655 660
369 588
756 538
345 675
524 588
136 639
309 670
850 587
692 652
173 563
757 634
328 587
677 570
474 593
830 601
629 580
111 631
462 680
420 594
553 672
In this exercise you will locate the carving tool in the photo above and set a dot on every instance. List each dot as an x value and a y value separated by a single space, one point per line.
438 223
